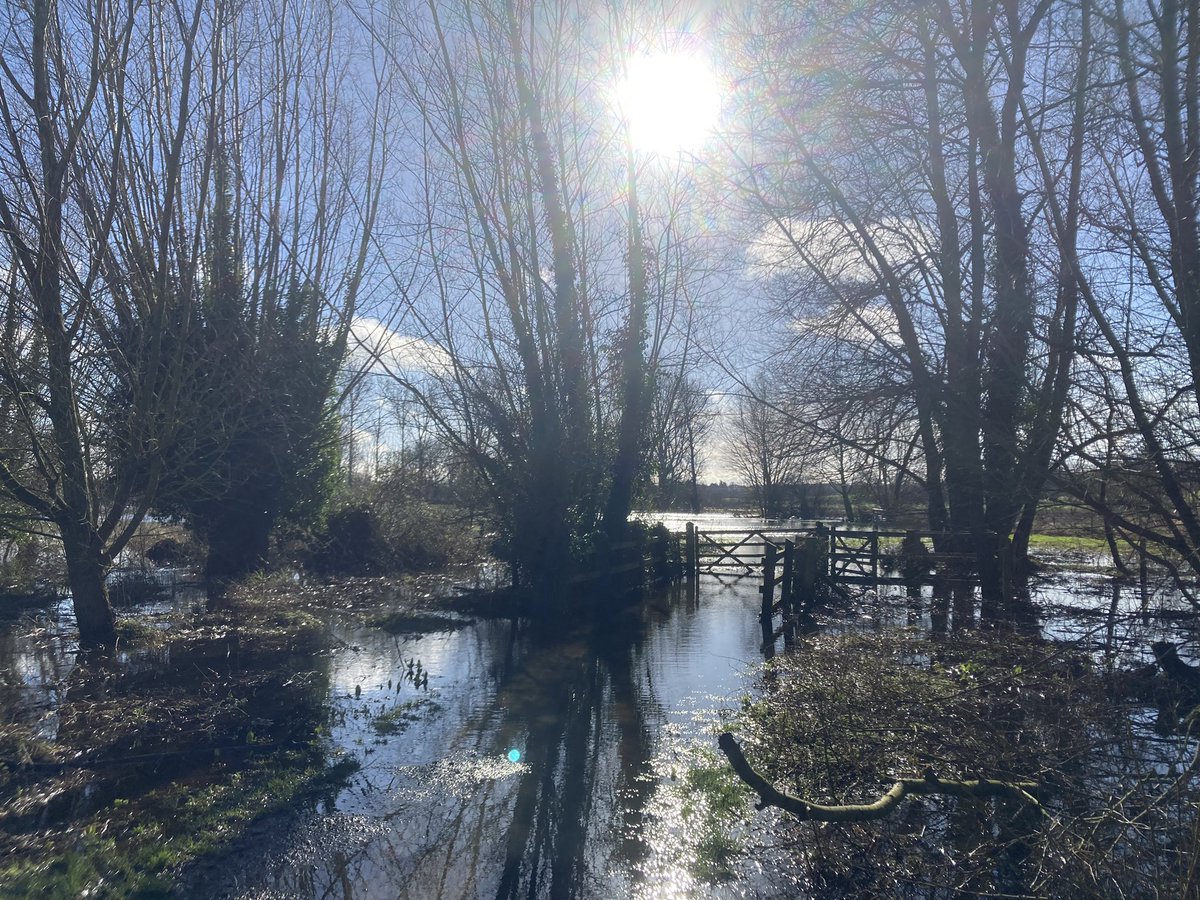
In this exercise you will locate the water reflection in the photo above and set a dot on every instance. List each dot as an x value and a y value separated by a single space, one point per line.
590 710
34 662
597 711
439 810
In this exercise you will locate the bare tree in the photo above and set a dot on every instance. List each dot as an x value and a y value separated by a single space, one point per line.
681 419
132 142
97 105
546 303
894 176
287 241
761 446
1135 431
853 410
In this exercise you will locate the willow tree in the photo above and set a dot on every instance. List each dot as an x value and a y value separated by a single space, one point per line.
97 105
552 277
290 210
257 438
110 117
889 163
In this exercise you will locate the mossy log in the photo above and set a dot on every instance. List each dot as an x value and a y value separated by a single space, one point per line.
769 795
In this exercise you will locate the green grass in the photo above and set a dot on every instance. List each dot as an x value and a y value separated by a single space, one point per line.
1068 542
398 718
140 632
134 848
714 803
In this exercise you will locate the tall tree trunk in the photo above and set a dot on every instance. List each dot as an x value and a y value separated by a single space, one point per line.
1021 534
1012 318
89 595
633 374
959 425
82 546
693 469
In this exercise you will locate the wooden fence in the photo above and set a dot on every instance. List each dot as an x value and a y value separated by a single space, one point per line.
852 555
795 562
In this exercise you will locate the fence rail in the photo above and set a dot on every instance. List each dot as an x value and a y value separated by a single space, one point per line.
853 555
794 563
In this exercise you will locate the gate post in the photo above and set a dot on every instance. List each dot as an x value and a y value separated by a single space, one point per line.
768 585
812 569
828 557
789 569
690 550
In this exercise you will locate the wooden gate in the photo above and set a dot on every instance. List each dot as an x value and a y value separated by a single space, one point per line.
853 555
738 551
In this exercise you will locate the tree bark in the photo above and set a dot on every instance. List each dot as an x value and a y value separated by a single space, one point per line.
626 462
89 594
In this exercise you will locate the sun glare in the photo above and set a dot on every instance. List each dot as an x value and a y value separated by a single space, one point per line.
670 100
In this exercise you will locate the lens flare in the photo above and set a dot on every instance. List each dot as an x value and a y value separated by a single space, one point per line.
671 101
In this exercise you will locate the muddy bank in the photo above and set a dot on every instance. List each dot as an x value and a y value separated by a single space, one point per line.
118 770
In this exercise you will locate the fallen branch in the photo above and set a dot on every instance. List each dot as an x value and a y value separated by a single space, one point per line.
769 795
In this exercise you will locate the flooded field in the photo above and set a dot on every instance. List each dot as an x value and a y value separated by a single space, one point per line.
493 757
525 763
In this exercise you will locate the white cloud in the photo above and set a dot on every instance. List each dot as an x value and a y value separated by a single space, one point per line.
377 348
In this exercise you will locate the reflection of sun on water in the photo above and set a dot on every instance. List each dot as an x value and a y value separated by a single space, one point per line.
670 100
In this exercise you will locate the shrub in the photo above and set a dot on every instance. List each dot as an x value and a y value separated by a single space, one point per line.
378 535
839 720
25 571
351 543
170 553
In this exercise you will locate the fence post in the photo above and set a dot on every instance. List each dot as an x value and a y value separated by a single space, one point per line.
914 558
812 568
660 553
690 552
1005 555
1143 571
875 554
789 568
768 585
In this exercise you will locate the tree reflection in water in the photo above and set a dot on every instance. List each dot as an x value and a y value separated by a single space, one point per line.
575 712
565 821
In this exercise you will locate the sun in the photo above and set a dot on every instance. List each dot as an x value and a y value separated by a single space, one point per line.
671 102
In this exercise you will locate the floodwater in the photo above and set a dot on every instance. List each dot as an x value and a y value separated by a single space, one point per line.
501 759
540 764
532 763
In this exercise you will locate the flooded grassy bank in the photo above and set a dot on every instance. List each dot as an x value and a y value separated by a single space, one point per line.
367 738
